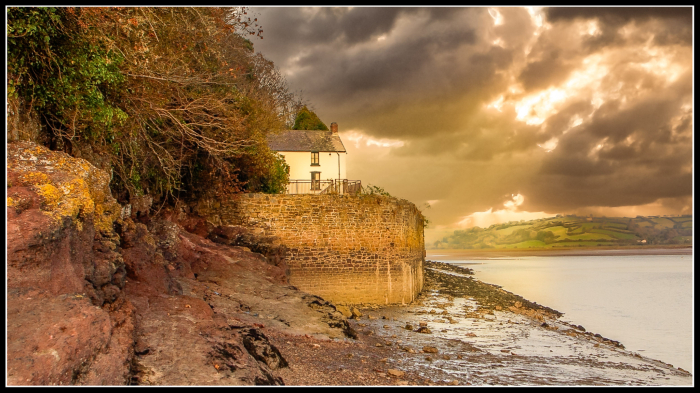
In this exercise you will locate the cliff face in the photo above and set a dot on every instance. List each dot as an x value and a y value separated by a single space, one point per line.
96 297
68 319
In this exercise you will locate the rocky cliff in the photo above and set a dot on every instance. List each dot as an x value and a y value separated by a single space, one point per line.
97 296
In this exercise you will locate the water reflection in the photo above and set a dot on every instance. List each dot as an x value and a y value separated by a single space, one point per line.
644 301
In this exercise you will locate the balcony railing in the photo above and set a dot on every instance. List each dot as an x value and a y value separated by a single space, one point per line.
344 186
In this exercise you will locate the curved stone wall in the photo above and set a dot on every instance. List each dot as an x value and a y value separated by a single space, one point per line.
344 248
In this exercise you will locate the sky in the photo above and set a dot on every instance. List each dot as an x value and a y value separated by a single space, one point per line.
496 114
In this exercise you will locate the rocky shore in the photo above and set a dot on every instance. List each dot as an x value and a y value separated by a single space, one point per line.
103 294
488 337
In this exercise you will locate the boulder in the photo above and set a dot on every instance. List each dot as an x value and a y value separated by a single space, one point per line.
356 313
345 311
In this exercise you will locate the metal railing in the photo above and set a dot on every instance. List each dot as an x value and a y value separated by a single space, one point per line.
344 186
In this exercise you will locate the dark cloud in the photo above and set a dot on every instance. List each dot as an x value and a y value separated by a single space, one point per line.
621 15
676 22
456 88
546 72
562 120
561 193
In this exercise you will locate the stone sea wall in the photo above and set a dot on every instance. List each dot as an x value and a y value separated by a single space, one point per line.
347 249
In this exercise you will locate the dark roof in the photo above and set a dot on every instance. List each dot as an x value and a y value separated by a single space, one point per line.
305 140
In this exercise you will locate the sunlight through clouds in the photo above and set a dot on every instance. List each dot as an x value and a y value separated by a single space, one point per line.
509 98
359 139
549 145
510 213
535 109
497 17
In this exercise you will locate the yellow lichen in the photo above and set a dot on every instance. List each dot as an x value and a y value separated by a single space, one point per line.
50 194
33 178
69 187
10 202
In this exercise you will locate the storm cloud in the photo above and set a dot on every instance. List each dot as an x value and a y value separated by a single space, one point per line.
575 109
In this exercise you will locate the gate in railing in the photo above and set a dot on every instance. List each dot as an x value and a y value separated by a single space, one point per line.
344 186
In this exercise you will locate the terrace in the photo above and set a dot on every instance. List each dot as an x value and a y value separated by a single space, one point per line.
337 186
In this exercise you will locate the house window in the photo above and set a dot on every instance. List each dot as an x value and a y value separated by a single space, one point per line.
314 158
315 181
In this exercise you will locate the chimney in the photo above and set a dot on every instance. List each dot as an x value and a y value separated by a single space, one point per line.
334 128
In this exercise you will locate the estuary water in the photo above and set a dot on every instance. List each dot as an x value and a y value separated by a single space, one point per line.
643 301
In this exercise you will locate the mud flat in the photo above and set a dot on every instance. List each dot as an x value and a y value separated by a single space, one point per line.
465 332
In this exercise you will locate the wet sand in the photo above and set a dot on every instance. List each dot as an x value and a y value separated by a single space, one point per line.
495 253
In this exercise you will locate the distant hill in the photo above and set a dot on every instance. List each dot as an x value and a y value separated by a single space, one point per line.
573 231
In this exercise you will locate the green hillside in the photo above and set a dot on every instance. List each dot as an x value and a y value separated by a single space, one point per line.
573 231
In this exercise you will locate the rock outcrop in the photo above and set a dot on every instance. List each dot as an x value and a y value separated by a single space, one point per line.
101 294
68 321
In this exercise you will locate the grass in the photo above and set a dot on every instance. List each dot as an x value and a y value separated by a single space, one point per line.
558 231
617 235
586 226
509 230
589 236
664 222
618 230
615 225
572 232
683 239
525 244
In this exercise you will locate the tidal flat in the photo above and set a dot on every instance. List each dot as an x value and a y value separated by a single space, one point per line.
461 331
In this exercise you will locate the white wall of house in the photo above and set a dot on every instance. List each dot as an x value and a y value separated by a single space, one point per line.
300 167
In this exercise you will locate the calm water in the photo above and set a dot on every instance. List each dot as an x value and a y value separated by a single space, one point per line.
643 301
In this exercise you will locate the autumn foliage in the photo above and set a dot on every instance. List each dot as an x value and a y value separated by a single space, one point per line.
172 101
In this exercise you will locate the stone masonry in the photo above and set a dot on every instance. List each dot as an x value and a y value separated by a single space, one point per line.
344 248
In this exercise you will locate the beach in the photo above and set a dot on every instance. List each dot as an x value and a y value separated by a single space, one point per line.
489 338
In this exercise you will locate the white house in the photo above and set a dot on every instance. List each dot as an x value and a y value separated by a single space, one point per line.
316 160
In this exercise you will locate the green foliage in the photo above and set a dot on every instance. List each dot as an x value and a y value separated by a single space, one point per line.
275 182
271 177
173 100
374 190
572 231
307 120
67 76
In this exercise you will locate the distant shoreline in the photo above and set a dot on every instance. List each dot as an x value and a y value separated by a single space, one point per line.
451 254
